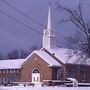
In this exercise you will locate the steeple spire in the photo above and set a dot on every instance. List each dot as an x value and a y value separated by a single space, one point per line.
49 39
49 18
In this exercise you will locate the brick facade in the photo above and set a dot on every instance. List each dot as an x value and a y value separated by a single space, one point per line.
80 72
46 73
9 75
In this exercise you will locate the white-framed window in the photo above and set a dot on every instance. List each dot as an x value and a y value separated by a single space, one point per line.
17 71
7 71
0 71
60 73
14 71
35 70
11 71
82 73
4 71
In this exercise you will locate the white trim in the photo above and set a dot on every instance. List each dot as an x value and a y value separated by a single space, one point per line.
35 76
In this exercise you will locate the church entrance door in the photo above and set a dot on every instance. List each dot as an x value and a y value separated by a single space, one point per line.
35 75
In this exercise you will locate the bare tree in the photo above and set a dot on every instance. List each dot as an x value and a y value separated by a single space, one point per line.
20 53
16 54
81 39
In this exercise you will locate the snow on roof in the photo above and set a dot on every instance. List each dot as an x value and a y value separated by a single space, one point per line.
61 54
46 57
16 63
11 64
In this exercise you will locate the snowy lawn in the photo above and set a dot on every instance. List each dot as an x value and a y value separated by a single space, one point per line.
43 88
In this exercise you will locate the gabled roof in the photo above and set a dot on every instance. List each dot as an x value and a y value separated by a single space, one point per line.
62 55
46 57
58 53
11 64
17 63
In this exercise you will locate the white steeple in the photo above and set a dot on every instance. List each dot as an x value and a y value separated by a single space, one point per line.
49 18
49 35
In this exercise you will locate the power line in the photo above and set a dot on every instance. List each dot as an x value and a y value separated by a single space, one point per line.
25 24
29 17
22 13
20 22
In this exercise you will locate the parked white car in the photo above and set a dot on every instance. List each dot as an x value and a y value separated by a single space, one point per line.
74 82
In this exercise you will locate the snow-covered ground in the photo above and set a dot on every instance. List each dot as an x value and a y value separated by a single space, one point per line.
43 88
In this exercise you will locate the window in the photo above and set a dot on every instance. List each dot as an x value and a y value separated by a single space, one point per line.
0 71
11 71
17 71
59 73
71 73
14 71
7 71
36 71
3 71
35 58
47 33
82 73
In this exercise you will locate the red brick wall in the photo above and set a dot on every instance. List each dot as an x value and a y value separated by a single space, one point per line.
54 73
35 62
77 72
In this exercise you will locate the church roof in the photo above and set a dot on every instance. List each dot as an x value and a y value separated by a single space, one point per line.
11 64
62 55
47 56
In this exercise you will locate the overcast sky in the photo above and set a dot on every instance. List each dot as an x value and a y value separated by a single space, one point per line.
13 35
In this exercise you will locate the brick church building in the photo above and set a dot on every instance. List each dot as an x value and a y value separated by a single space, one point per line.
48 63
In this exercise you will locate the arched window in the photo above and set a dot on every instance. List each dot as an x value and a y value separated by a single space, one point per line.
35 70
